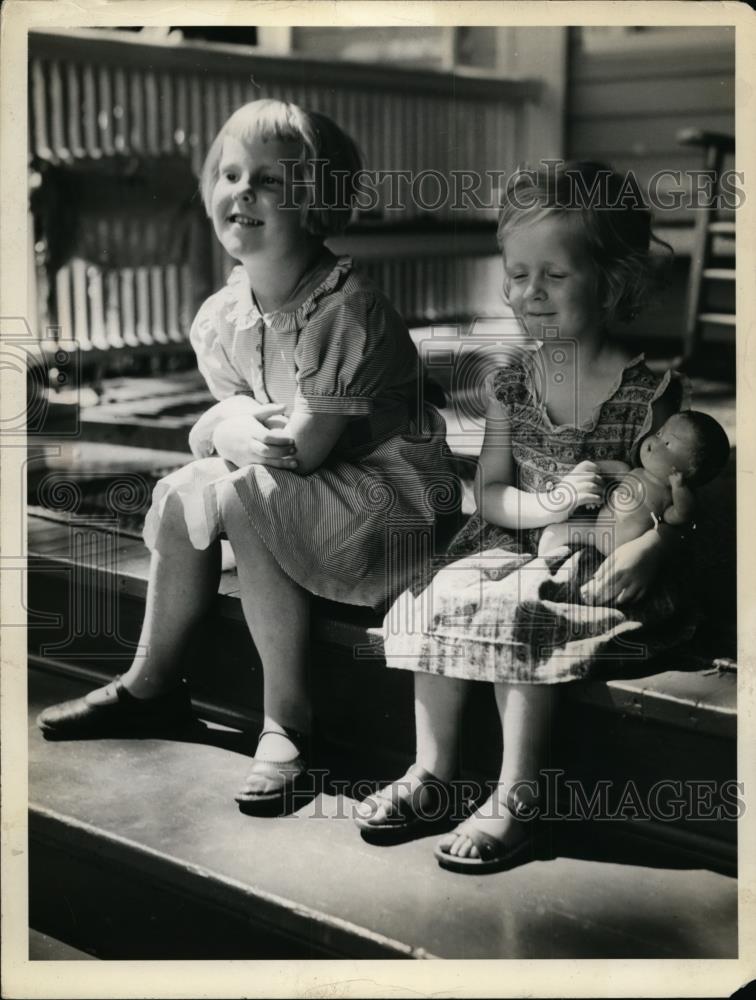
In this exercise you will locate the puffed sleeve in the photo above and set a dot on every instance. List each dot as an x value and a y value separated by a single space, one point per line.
348 352
212 359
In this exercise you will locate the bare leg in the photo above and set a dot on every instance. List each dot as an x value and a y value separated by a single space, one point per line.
526 712
182 585
277 612
438 709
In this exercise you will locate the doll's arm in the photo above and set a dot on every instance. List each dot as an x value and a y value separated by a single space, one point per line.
683 501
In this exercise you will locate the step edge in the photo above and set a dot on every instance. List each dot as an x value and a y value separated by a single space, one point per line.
371 637
122 848
660 695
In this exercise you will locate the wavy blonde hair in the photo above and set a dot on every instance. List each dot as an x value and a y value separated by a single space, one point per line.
613 219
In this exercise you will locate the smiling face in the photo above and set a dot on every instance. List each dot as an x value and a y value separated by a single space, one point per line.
550 280
247 197
671 449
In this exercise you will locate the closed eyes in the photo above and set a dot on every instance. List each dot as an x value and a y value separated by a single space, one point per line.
522 276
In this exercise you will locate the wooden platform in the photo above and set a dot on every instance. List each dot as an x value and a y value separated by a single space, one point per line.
120 827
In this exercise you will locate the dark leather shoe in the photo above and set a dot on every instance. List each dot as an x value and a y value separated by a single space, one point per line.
127 715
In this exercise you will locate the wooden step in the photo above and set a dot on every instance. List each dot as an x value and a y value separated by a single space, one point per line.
683 714
152 825
703 698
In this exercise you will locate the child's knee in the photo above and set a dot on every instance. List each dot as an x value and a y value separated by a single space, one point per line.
209 468
172 518
230 507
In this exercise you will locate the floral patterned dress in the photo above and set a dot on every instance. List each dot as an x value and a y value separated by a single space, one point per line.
355 530
493 610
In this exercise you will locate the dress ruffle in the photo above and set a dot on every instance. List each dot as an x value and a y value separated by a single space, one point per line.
244 313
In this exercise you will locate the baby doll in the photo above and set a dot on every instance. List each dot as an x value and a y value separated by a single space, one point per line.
689 449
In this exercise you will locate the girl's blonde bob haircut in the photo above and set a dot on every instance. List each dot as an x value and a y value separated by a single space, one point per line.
608 209
329 160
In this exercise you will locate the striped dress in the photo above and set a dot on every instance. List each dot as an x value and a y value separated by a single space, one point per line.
357 528
492 609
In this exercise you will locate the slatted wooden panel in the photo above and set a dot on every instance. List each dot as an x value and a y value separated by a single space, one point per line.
626 108
97 95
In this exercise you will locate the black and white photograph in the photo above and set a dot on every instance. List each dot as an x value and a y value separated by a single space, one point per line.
376 405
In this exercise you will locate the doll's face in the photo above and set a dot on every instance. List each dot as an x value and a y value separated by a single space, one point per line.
671 449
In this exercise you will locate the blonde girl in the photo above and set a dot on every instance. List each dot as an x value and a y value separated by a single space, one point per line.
572 402
317 461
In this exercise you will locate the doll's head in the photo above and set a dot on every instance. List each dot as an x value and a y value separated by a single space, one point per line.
324 175
691 443
605 215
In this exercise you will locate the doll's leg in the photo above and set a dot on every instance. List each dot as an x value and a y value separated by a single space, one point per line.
183 583
526 712
553 537
573 534
277 612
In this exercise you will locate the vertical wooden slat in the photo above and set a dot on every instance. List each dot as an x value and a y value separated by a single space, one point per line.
91 142
136 112
182 128
97 333
166 112
128 308
237 94
196 142
210 111
152 130
120 110
225 100
157 304
105 112
113 333
186 301
143 326
173 325
81 325
74 110
253 92
41 142
57 112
